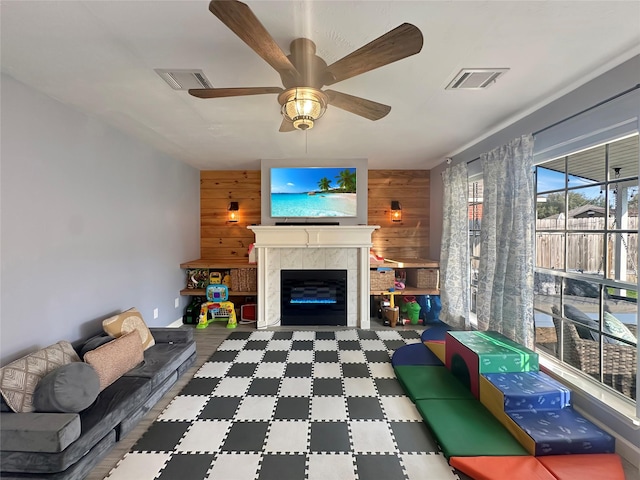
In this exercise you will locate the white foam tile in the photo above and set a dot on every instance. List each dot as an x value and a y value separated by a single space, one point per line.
270 370
279 345
410 341
213 369
141 466
352 356
359 387
416 465
256 408
381 370
295 387
328 408
261 335
301 335
335 467
371 345
234 466
184 407
326 370
204 436
232 387
300 356
389 335
232 345
287 437
371 437
346 335
325 345
400 409
249 356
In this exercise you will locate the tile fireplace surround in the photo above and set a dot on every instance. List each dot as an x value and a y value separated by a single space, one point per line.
313 247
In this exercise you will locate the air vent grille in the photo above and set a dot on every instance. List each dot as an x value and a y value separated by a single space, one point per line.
180 79
476 78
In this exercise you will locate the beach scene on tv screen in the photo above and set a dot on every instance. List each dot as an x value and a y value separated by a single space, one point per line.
313 192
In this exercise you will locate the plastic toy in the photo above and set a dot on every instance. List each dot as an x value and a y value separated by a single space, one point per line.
217 308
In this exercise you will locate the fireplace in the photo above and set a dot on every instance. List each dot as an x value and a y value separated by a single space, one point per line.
313 297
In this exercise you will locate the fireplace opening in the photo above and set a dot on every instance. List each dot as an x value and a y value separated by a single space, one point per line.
313 297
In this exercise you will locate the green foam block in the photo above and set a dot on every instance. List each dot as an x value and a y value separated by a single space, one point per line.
465 428
424 382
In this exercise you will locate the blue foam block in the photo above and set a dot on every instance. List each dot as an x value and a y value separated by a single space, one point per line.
414 354
437 332
530 391
563 432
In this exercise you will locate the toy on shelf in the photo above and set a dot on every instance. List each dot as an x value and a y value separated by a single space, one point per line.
217 308
215 278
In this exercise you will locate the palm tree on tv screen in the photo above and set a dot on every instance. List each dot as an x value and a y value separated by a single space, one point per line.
347 181
324 184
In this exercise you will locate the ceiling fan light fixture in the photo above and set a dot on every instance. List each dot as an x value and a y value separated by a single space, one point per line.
303 106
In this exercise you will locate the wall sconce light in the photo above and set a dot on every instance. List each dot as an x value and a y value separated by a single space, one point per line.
396 211
232 212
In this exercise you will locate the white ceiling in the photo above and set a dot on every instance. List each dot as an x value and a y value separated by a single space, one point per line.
100 56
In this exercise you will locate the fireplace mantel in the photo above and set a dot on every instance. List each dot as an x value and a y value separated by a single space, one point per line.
313 247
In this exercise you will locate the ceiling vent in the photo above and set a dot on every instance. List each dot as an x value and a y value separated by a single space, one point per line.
180 79
476 78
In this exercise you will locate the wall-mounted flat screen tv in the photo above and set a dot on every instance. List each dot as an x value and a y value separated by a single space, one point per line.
313 192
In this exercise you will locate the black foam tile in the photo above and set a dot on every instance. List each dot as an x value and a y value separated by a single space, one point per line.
224 356
292 408
327 386
413 437
264 386
355 370
245 437
298 370
275 356
394 344
409 334
200 386
242 370
302 345
326 356
377 356
388 386
256 345
220 408
364 408
348 345
162 436
375 467
367 335
239 335
325 335
282 335
192 466
279 467
329 437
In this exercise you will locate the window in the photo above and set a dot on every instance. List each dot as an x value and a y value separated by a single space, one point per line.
586 284
475 221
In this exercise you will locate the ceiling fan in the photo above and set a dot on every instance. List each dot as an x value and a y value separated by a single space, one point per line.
303 73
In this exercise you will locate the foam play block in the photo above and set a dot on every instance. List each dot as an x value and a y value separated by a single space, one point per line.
468 354
438 348
591 467
562 432
415 354
421 382
465 428
502 468
437 332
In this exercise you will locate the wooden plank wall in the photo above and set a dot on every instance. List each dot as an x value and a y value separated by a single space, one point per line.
223 241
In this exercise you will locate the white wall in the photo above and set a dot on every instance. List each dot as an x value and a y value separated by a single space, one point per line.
92 222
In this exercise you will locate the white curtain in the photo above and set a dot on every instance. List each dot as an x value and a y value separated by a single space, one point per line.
505 278
454 254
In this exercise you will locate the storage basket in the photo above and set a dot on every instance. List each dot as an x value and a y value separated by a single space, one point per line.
244 279
428 278
382 279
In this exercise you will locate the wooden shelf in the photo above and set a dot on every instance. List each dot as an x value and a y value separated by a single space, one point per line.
200 292
408 263
216 265
407 291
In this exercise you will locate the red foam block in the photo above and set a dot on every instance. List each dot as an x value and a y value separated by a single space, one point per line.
592 466
502 468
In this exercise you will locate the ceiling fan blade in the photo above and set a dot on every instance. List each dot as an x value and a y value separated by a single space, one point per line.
360 106
286 125
241 20
232 92
399 43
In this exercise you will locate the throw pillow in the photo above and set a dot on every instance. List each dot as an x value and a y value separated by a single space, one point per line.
126 322
18 379
68 389
615 327
114 359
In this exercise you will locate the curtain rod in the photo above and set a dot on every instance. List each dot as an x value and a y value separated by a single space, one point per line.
636 87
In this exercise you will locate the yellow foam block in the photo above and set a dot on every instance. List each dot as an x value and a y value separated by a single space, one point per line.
493 399
437 347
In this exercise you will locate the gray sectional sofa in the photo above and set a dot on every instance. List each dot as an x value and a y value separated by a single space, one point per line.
68 445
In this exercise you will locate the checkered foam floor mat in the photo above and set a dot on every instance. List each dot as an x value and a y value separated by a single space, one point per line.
294 405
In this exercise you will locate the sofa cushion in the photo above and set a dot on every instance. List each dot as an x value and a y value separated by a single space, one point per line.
18 379
115 358
68 389
161 360
93 343
126 322
38 432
